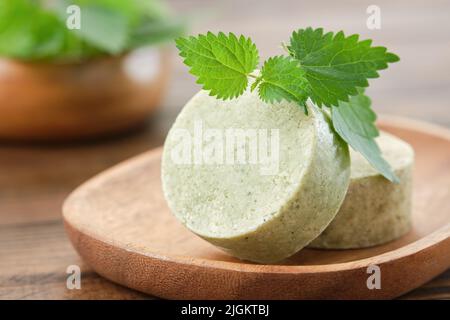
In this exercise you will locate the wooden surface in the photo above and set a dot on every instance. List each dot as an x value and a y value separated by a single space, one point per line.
34 179
120 224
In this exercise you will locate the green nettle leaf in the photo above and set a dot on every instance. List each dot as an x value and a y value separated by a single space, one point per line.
354 121
281 78
331 70
35 30
153 32
221 62
104 28
28 32
336 65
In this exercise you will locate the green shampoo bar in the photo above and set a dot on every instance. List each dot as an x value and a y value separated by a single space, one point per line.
258 180
375 211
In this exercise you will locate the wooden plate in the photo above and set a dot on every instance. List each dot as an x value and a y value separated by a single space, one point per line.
120 225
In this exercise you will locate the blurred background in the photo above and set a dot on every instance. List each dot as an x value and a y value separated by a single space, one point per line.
64 120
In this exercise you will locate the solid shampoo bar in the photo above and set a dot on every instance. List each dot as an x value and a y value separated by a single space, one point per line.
258 180
375 210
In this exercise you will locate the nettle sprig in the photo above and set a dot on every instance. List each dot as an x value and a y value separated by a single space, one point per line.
329 69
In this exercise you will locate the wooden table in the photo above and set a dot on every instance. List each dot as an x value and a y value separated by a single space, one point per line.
35 179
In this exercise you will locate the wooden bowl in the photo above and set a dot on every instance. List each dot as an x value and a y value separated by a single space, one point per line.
120 224
61 101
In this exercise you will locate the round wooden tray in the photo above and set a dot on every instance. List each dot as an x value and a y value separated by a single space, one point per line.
120 225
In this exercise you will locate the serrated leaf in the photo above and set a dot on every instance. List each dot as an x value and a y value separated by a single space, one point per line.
336 65
222 63
354 121
281 78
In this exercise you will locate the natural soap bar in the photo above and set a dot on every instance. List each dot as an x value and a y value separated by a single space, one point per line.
258 180
375 210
